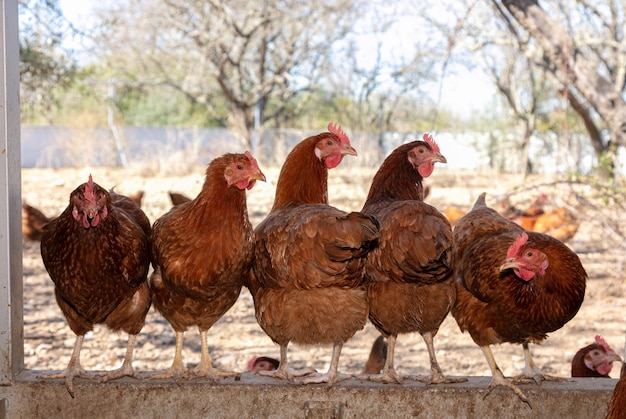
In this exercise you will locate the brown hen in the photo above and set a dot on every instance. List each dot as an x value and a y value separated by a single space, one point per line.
594 360
202 254
309 257
97 254
512 286
409 280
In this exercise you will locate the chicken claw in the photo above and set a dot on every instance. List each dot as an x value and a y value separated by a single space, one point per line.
288 374
329 378
436 378
74 369
69 374
499 380
126 370
531 372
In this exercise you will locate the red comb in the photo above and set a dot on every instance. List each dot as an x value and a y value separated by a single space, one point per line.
336 129
252 159
517 245
429 139
600 341
89 189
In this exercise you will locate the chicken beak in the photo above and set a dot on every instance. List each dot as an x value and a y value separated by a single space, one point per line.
348 149
438 157
509 264
612 357
258 176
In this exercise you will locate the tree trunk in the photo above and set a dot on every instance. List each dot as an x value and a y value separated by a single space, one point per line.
571 67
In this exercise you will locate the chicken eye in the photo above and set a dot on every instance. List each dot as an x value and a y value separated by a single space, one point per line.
529 254
330 142
240 167
421 150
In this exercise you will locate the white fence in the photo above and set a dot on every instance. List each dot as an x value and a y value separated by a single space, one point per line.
500 151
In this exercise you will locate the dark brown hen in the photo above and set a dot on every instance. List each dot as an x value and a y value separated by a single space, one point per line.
202 254
97 253
408 276
512 286
308 269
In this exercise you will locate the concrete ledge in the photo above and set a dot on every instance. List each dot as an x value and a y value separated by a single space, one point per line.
259 397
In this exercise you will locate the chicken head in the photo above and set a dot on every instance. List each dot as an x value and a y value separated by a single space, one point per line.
331 149
526 262
424 156
244 172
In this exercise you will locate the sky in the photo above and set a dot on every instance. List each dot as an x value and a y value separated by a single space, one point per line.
465 93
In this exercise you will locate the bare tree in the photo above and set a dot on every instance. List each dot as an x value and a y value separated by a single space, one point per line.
586 55
250 60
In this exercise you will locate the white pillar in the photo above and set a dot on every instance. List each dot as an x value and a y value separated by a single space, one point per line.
11 291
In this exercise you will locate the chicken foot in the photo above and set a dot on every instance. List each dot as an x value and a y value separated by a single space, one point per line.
74 369
389 374
332 376
205 369
498 379
531 372
436 375
177 370
126 370
283 372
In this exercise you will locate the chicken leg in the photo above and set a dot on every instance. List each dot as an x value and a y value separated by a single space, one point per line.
498 379
283 371
332 376
531 372
74 369
389 374
177 369
205 369
126 370
436 375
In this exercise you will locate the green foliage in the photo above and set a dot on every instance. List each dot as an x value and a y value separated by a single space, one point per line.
45 67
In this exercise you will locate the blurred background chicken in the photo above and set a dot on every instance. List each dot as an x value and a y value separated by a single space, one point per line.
33 221
178 198
559 222
594 360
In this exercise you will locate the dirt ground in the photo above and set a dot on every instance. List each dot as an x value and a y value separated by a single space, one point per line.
48 341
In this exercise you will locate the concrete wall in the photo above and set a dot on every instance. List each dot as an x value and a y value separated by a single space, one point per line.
259 397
